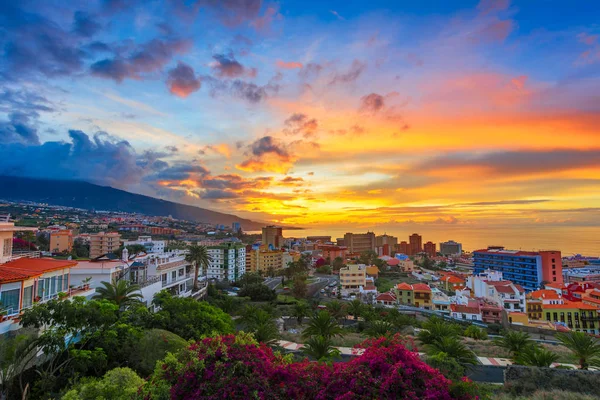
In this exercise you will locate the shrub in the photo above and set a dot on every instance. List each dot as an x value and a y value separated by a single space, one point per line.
476 333
116 384
152 347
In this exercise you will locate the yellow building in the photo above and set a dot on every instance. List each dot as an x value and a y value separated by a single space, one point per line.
103 243
576 315
262 260
61 241
373 271
353 276
422 296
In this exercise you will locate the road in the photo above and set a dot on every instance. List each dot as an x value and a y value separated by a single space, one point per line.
314 290
272 282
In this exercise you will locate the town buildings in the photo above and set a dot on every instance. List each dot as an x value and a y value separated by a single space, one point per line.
272 237
264 260
450 248
103 243
403 247
61 241
417 295
526 268
228 262
490 285
359 242
331 252
385 245
353 277
430 249
151 246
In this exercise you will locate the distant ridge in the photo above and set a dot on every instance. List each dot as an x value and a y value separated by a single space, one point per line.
89 196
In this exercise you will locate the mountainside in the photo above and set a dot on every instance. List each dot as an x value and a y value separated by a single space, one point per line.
86 195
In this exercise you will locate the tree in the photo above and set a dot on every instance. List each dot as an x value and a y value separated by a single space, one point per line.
300 311
257 292
322 324
584 347
536 356
435 329
320 348
300 287
337 309
271 272
117 384
380 328
475 332
81 249
16 355
355 308
454 348
176 245
260 323
198 256
189 318
122 293
248 278
368 257
446 365
515 342
152 347
338 263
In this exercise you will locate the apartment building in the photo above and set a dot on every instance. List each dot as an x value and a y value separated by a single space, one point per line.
415 244
228 262
151 246
272 237
430 249
353 277
61 241
103 243
491 286
525 268
450 248
262 260
359 242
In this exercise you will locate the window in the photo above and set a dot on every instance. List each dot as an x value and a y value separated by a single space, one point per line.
27 296
7 250
10 300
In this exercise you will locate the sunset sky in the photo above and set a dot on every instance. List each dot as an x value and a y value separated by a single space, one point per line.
340 113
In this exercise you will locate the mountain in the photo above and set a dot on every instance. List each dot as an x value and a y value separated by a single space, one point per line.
88 196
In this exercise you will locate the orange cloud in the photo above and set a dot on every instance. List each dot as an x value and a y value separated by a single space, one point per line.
288 64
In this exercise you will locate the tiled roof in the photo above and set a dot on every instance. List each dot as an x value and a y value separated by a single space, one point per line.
453 279
570 304
386 297
403 286
10 275
393 261
464 309
505 289
545 294
421 286
38 265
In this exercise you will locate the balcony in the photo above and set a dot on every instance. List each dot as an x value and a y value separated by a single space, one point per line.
177 280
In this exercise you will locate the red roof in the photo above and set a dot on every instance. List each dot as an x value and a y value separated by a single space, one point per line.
570 304
421 286
403 286
505 289
453 279
546 294
508 252
386 297
9 275
464 309
38 265
393 261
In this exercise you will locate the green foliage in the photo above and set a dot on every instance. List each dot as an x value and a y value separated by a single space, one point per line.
189 318
337 309
585 348
320 348
249 278
355 308
436 328
475 332
380 328
257 292
338 263
368 257
453 348
260 323
322 324
152 347
198 256
122 293
447 365
536 356
515 342
16 354
300 287
324 269
116 384
300 311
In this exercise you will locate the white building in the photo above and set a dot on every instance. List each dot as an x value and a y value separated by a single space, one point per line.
489 285
228 262
152 246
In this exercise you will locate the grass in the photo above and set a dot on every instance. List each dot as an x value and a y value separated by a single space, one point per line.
385 283
546 395
485 348
348 340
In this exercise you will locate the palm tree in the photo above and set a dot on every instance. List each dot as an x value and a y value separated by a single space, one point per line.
380 328
336 309
300 311
322 324
320 348
515 342
435 329
199 257
585 348
260 323
122 293
355 308
454 348
536 356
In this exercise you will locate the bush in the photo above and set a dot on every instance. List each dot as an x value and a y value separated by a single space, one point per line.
521 380
475 332
116 384
257 292
152 347
236 367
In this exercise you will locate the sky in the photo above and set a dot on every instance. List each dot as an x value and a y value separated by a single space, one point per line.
321 114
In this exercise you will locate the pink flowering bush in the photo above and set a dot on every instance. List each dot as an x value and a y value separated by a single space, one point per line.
237 367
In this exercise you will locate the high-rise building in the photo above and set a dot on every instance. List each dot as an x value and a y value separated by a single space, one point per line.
359 242
450 248
264 260
61 241
228 262
236 226
415 244
525 268
403 247
385 244
429 248
272 236
104 242
322 239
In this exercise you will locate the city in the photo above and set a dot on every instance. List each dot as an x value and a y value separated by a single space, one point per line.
285 199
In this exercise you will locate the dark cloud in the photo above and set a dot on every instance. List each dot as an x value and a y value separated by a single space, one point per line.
101 159
249 91
218 194
353 73
226 66
235 182
23 108
310 71
301 124
18 129
268 144
517 162
182 80
84 25
180 172
147 58
372 103
172 149
503 202
291 181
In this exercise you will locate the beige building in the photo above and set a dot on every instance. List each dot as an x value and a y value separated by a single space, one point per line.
262 260
359 242
353 276
61 241
104 242
272 236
